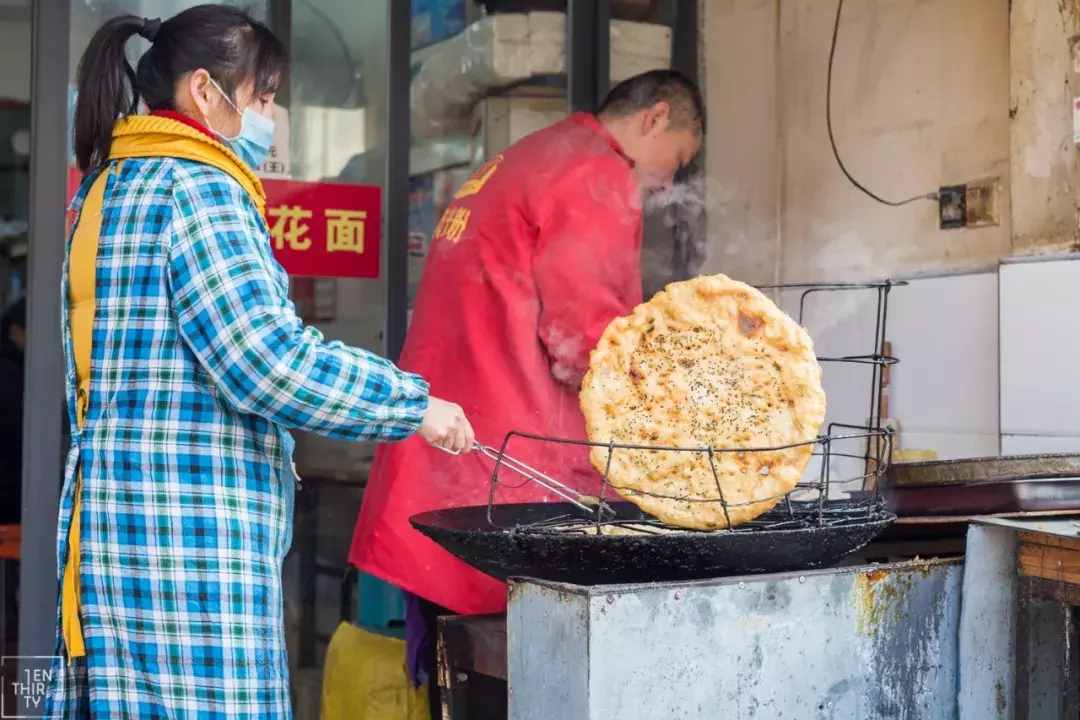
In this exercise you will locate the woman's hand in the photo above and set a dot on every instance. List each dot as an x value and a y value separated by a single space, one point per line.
446 427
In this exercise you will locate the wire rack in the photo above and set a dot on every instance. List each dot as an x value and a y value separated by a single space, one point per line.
820 500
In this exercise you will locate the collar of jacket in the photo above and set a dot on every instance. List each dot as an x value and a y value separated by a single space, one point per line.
155 136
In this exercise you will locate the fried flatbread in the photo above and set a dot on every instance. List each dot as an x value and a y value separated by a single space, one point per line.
710 362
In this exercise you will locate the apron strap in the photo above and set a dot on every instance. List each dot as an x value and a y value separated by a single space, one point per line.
82 288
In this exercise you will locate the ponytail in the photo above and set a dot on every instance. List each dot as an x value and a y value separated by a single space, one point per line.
106 89
225 41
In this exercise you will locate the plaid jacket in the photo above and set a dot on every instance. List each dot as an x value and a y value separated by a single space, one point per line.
199 365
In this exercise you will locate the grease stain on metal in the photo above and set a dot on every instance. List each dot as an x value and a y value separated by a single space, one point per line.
904 614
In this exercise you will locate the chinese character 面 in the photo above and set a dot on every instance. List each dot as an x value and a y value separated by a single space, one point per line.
345 231
287 228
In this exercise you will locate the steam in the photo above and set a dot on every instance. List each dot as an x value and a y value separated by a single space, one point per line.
682 208
690 197
566 352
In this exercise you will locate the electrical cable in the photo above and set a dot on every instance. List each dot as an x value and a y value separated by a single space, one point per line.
832 138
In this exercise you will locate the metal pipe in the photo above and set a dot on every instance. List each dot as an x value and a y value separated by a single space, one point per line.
397 177
43 422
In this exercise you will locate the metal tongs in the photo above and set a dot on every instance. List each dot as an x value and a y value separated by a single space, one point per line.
588 503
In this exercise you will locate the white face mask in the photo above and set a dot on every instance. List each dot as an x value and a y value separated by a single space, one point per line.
252 143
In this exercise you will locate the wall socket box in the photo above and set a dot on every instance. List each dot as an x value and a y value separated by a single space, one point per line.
952 207
974 204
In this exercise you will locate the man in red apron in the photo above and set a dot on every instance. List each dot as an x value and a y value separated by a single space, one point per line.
536 254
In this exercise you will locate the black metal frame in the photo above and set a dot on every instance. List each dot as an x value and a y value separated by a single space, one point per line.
791 513
396 189
43 422
684 38
305 545
679 232
877 357
683 18
588 53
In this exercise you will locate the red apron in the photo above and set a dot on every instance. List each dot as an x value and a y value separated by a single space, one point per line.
536 255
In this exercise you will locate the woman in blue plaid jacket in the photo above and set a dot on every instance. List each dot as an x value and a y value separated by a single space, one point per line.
186 365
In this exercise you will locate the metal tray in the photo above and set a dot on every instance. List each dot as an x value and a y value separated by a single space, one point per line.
986 498
982 470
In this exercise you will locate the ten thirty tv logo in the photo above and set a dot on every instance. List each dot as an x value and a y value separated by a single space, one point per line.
24 681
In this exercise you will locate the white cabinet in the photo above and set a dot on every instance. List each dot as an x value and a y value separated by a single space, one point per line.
944 392
1040 356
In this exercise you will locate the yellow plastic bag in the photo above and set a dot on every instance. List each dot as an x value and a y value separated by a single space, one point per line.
364 679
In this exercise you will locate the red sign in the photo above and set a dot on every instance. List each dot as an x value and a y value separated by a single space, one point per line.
318 229
325 229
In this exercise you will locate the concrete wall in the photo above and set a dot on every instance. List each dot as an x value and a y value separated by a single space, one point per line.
1044 161
920 99
742 159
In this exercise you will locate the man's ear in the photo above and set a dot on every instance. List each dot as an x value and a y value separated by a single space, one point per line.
656 118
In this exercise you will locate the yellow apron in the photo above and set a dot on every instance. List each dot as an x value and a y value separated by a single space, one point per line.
81 286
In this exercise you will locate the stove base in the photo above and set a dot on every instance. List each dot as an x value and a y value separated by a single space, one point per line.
875 641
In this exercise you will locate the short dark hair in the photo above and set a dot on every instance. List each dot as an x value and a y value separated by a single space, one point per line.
645 90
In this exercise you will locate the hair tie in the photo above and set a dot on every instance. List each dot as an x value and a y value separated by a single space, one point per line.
150 28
